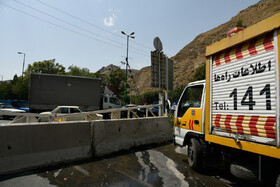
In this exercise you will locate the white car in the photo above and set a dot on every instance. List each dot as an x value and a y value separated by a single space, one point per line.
62 110
6 107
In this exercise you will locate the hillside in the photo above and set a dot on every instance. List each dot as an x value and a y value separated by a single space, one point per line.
105 70
193 54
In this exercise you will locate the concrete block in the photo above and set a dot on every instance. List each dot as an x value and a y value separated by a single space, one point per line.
110 136
115 135
152 130
26 146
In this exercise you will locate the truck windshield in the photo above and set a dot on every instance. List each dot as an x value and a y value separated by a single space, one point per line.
190 99
115 101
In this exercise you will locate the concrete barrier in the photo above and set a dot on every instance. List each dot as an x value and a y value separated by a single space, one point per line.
152 130
26 146
115 135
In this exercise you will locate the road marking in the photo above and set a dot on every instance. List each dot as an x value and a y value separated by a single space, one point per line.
167 169
82 170
57 173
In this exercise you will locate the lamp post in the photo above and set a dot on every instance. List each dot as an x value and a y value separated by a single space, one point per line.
21 53
127 36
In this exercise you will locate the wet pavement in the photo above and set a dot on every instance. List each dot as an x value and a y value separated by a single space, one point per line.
160 165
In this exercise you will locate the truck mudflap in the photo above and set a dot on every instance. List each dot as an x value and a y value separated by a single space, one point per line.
244 91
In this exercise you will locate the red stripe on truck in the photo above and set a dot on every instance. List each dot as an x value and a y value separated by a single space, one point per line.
267 43
252 48
239 121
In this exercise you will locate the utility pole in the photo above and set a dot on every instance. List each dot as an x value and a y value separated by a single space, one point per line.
21 53
126 64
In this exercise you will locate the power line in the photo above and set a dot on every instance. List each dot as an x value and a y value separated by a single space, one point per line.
73 25
82 20
59 26
69 29
78 18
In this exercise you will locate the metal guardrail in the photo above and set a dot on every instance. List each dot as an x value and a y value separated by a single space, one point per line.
119 113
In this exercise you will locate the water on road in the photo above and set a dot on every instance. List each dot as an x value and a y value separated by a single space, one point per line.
164 165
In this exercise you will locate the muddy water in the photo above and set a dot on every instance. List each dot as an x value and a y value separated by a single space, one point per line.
164 165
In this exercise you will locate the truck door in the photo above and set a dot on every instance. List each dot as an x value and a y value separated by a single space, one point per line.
189 112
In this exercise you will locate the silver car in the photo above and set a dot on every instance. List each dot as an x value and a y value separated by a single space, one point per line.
7 110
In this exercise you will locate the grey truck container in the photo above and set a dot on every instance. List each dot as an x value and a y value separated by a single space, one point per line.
48 91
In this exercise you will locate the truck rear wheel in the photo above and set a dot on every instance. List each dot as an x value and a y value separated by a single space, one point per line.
195 154
243 171
278 181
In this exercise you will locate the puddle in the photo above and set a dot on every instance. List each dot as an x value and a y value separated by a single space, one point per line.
27 181
182 150
157 167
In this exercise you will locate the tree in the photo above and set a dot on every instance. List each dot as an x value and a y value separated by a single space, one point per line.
46 66
176 93
5 90
137 99
77 71
14 89
150 96
116 78
199 73
240 23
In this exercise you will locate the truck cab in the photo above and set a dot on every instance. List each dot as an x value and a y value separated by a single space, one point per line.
111 101
189 115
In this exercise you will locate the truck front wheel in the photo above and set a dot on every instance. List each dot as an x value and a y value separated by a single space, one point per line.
195 154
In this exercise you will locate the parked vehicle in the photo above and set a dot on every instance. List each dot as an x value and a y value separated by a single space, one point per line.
139 111
6 107
233 116
17 104
47 91
124 113
62 110
22 105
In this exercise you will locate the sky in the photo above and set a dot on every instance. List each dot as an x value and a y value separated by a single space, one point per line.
87 33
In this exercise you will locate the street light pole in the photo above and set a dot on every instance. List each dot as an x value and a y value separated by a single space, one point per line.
21 53
127 40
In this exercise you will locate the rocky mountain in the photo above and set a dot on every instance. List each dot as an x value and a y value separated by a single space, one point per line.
105 70
193 54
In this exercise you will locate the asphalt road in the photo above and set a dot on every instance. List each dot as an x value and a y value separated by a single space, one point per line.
155 165
160 165
4 121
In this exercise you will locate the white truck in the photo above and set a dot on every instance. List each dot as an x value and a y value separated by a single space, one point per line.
47 91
